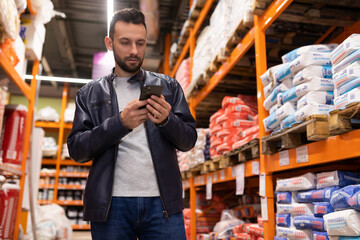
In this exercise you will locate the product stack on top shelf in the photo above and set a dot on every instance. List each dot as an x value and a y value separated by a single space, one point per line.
183 74
300 87
233 125
306 205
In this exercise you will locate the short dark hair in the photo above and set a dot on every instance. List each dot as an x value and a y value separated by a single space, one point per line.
128 15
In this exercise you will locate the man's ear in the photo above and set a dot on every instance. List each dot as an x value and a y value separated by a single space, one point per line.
108 43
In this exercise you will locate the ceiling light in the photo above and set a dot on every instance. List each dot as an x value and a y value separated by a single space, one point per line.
59 79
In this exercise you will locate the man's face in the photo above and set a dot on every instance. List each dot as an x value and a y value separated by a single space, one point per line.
129 45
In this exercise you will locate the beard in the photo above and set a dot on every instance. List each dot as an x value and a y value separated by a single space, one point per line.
122 63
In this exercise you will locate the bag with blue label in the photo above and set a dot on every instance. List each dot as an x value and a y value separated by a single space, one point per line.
322 208
321 97
309 222
343 223
293 233
312 73
283 220
320 235
336 178
310 59
290 56
284 197
354 201
280 238
339 198
318 195
349 73
348 46
353 57
303 182
353 95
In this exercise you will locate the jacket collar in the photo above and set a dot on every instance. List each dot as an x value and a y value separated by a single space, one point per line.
139 77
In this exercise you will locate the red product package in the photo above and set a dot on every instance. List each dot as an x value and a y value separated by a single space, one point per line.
260 221
12 137
250 131
216 143
213 236
229 131
212 124
216 115
239 229
243 236
254 229
215 130
9 197
232 115
223 148
230 139
232 123
239 108
241 142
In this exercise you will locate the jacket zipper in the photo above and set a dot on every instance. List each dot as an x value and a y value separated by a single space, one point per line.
115 153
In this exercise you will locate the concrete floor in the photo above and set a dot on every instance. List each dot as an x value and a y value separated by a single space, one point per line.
81 235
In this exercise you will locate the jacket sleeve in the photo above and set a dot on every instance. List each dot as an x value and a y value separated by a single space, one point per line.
86 140
180 128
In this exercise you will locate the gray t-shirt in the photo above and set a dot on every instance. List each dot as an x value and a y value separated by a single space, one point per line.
134 172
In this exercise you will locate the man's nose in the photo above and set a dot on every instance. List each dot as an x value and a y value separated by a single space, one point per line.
133 49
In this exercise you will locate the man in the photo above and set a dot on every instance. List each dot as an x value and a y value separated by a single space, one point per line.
134 187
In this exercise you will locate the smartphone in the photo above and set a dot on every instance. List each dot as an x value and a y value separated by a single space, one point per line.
148 90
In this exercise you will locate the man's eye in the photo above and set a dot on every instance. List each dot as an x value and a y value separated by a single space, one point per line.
140 44
124 42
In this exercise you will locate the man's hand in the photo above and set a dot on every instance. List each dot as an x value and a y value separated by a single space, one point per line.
158 109
132 116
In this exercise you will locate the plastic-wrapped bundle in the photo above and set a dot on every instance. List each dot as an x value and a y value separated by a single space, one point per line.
343 223
308 49
283 220
303 182
296 209
309 222
293 233
312 72
320 97
336 178
322 208
318 195
339 198
347 47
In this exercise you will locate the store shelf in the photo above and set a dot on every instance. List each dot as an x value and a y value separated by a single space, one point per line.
70 202
68 126
74 174
42 174
49 125
80 226
44 202
70 187
333 149
47 161
46 186
12 170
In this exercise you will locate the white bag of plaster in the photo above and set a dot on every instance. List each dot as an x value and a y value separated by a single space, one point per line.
343 223
347 47
347 98
307 49
336 178
273 108
320 97
309 73
271 100
280 74
353 57
298 91
349 73
303 182
268 76
274 119
295 208
309 59
355 83
312 109
294 234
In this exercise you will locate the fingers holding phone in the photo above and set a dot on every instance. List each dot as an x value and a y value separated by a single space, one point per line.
158 109
134 114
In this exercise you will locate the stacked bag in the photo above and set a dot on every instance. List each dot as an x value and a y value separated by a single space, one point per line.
306 204
346 70
234 124
183 74
199 154
300 87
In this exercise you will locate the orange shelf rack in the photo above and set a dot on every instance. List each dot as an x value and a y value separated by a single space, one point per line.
80 226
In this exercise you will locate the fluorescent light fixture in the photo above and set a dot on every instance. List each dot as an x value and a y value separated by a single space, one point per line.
59 79
110 11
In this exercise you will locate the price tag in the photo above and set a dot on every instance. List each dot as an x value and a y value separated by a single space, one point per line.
222 174
183 192
215 177
302 154
264 209
208 188
255 167
284 158
240 179
233 171
262 185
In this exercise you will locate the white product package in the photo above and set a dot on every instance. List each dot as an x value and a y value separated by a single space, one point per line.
355 83
273 109
353 57
320 97
347 47
312 109
349 73
311 72
293 233
295 208
268 76
343 223
274 119
268 89
308 59
307 49
336 178
271 100
353 95
280 74
47 114
298 91
303 182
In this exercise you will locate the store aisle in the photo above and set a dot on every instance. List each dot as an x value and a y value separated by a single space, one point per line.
81 235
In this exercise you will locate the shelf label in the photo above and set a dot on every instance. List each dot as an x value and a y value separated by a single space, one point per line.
262 185
233 171
215 177
264 209
208 188
183 192
255 167
199 180
222 174
302 154
240 179
284 158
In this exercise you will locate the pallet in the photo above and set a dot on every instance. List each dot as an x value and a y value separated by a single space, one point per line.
315 128
210 166
343 121
193 172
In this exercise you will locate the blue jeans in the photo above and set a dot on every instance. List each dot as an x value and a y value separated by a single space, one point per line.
130 218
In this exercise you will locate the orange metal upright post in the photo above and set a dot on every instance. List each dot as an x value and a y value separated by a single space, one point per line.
192 51
166 63
28 129
60 140
261 67
192 209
